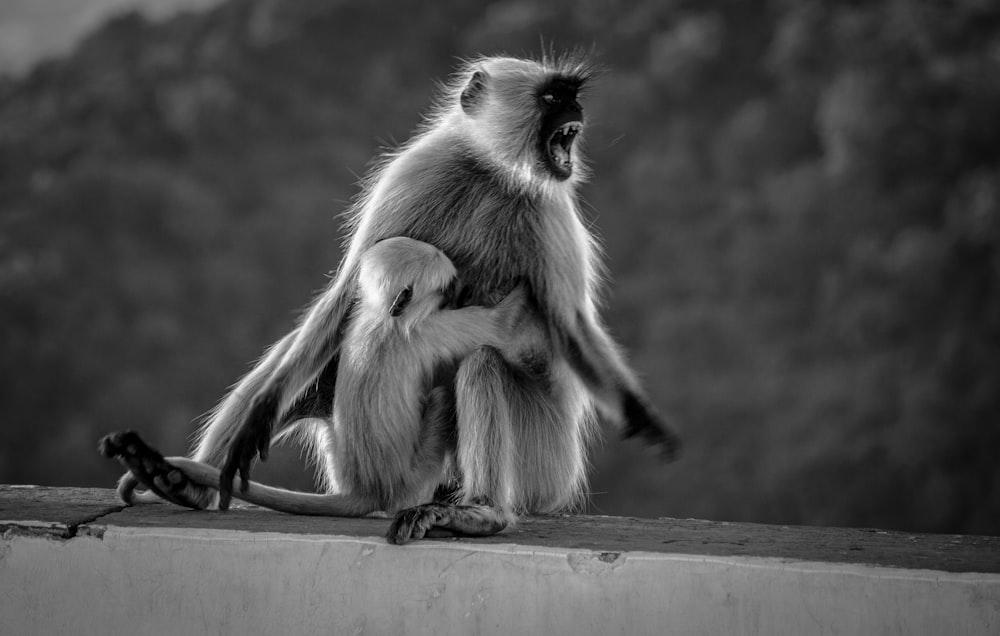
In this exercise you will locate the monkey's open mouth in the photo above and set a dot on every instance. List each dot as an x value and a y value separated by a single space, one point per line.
560 147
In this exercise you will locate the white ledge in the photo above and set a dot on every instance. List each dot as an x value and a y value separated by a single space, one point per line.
74 561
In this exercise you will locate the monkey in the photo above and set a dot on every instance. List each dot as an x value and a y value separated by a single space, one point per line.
390 443
490 178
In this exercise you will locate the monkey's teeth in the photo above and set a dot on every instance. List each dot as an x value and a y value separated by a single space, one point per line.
569 129
561 146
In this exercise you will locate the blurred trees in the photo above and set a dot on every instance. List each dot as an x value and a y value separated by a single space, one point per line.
799 204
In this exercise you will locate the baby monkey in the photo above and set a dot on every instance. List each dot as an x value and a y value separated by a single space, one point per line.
391 441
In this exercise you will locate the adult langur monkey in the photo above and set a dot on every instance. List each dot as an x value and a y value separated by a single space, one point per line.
390 443
490 179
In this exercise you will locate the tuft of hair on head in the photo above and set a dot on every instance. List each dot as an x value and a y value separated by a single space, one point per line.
579 62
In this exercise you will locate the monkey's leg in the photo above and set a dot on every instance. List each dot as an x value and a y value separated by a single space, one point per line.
485 457
149 468
417 517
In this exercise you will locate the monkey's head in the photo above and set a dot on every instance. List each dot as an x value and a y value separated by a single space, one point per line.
525 114
406 278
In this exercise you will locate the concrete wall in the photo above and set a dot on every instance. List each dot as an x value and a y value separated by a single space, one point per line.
135 572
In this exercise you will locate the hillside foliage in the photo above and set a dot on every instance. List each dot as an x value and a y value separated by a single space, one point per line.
799 202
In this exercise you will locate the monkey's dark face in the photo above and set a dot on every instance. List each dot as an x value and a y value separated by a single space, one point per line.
562 121
526 116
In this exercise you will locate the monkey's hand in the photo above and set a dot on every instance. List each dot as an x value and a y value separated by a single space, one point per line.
511 309
149 468
253 439
642 420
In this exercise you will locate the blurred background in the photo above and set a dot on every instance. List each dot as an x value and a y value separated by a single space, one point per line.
798 201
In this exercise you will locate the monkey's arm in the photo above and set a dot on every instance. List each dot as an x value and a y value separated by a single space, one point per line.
459 331
597 360
310 349
222 425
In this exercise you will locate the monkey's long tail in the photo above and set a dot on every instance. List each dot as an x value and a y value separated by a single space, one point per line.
194 484
290 501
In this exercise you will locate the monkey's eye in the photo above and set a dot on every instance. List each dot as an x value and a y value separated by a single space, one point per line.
402 300
550 98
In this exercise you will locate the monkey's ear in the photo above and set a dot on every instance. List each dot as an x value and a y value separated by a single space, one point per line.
403 299
473 92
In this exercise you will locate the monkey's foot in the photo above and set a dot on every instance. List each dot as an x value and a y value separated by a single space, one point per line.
148 467
438 520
